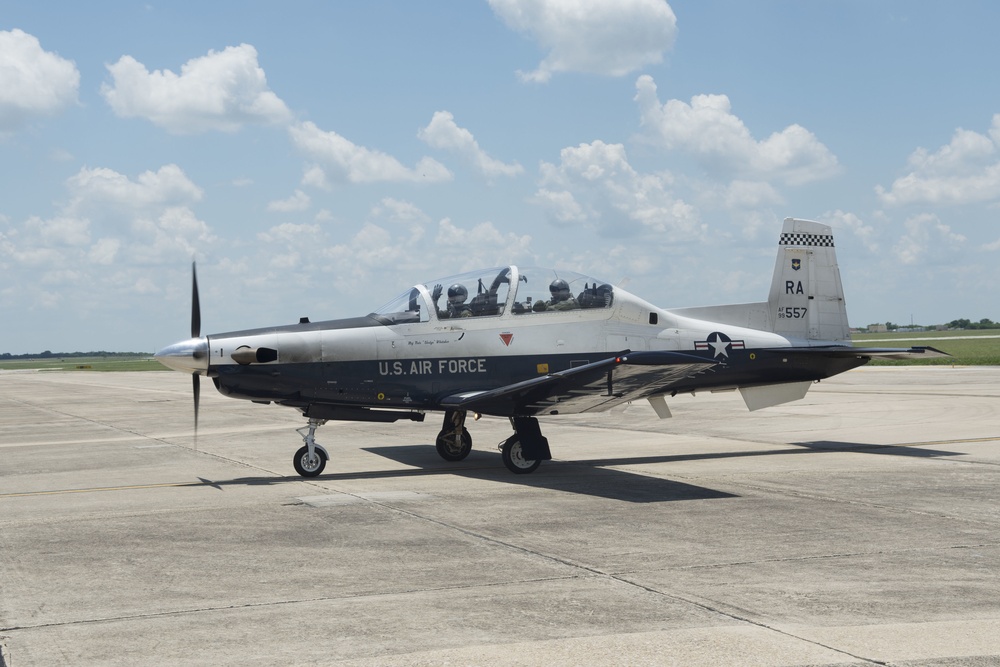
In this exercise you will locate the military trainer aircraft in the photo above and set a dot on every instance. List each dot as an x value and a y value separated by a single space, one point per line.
525 342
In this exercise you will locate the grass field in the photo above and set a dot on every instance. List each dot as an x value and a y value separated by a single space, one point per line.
968 348
142 362
979 347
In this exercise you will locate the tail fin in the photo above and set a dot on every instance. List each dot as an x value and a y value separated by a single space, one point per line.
807 297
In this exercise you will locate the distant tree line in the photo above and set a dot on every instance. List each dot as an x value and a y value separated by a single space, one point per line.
985 323
48 354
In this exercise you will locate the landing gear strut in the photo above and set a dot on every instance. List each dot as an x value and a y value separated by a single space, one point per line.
311 458
454 442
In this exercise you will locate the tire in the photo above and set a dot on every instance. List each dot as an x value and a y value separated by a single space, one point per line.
513 458
446 447
306 467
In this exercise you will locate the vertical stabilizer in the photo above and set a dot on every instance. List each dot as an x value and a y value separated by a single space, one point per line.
807 297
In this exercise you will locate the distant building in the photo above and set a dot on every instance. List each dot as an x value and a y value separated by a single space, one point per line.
877 328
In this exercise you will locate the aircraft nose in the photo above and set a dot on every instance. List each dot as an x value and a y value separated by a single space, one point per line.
188 356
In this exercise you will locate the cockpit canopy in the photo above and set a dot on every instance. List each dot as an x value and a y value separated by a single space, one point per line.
495 292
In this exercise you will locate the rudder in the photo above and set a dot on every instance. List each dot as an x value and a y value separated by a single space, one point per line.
807 297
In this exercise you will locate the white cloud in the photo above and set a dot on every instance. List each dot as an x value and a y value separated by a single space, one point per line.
926 238
595 183
60 231
102 186
104 251
299 201
740 195
708 130
219 91
32 81
482 246
397 210
966 170
560 205
175 235
314 176
129 227
357 164
844 220
442 133
610 37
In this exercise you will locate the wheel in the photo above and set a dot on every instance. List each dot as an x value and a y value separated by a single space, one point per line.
514 459
309 466
447 449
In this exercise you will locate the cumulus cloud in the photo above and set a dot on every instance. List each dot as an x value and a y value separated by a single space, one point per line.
102 186
175 234
33 81
865 233
397 210
299 201
709 131
966 170
357 164
595 183
609 37
111 231
926 236
482 245
219 91
444 134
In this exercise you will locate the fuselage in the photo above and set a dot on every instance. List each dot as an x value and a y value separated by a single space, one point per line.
411 354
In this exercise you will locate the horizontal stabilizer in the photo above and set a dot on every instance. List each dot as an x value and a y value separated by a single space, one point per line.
848 351
924 352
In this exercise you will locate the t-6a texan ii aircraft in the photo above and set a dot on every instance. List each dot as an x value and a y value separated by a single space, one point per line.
526 342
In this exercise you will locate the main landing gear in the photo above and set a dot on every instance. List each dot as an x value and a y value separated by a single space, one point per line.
524 451
453 442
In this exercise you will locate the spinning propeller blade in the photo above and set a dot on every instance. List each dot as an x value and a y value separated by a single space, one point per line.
195 304
195 333
190 356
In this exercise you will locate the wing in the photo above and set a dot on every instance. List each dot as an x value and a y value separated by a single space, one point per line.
590 388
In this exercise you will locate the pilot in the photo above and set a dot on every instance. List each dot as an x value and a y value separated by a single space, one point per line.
457 295
561 298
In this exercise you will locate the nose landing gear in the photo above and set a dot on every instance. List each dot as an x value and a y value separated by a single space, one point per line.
311 458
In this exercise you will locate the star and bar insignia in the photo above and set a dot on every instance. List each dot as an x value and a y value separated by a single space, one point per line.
720 343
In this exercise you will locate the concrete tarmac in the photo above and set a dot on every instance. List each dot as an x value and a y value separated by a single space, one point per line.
859 526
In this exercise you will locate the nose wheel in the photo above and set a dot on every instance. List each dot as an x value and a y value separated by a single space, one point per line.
311 458
309 464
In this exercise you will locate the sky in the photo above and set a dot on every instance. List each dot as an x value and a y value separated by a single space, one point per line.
318 158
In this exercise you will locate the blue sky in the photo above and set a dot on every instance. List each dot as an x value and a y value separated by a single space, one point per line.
318 158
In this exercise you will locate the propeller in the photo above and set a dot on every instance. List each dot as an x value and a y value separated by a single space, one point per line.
190 356
195 333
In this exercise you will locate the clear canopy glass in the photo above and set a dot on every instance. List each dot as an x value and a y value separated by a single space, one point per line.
487 293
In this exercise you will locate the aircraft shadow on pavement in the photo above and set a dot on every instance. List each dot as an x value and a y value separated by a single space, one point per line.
581 477
592 477
867 448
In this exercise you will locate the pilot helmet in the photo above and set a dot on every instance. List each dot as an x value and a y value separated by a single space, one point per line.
457 294
559 289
